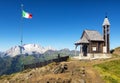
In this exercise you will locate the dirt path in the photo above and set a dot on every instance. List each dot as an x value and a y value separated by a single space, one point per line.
92 76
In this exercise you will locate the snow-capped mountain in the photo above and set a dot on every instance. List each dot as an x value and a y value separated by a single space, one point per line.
27 49
2 54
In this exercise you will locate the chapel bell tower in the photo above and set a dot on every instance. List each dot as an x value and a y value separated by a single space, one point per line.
106 34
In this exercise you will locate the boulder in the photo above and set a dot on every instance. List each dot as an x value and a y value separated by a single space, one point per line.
60 68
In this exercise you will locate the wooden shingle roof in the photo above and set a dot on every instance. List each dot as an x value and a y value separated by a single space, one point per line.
89 35
94 35
82 40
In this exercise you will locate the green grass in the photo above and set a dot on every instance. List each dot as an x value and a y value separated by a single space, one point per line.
115 55
110 71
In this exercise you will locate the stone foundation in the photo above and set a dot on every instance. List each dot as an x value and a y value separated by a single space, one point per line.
91 56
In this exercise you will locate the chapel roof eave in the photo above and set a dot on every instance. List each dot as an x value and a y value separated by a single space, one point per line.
80 43
83 40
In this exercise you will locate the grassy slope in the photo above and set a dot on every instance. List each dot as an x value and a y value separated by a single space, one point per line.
110 71
42 75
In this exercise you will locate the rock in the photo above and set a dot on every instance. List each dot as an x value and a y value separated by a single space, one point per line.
78 81
60 68
6 81
82 71
58 80
67 81
82 81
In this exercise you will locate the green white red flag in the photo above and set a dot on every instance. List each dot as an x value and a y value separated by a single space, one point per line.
26 14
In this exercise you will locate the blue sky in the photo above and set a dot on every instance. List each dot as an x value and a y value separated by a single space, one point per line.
56 23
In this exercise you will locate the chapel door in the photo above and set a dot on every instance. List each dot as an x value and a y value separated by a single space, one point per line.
85 50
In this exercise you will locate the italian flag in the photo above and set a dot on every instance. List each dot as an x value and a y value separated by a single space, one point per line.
26 14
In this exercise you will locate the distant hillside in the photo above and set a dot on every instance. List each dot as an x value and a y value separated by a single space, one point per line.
116 51
15 63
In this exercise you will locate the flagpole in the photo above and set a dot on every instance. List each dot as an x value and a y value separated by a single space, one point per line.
21 38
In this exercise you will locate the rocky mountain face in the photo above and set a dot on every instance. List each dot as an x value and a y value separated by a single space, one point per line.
35 49
27 49
2 54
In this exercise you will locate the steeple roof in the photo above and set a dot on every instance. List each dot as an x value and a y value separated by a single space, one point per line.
106 21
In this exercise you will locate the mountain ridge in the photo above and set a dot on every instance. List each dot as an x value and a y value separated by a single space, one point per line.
13 63
27 49
34 49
